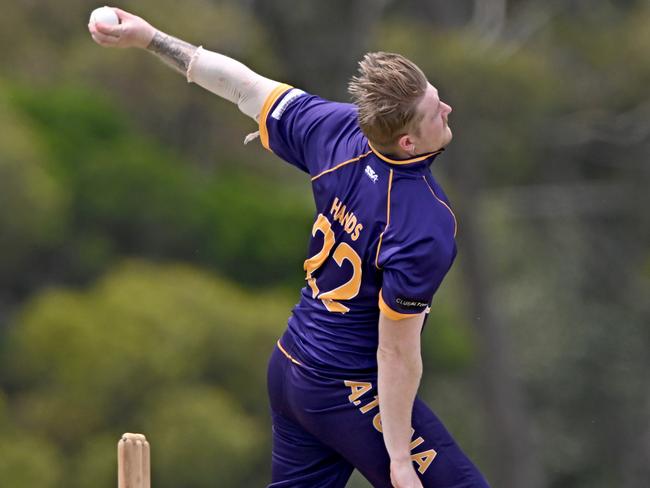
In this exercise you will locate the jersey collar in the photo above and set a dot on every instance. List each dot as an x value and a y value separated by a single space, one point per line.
428 157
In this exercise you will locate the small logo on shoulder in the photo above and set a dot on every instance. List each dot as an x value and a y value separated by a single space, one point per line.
289 97
371 174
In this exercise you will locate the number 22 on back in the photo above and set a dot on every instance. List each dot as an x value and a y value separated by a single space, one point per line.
343 252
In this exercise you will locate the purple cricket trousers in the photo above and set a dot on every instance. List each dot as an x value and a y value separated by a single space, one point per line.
325 427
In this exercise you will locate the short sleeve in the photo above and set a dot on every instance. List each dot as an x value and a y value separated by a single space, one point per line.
307 131
412 272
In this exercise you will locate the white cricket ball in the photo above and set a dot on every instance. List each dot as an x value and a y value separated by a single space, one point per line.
104 15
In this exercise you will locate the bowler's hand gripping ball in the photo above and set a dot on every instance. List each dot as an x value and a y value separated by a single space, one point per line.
104 15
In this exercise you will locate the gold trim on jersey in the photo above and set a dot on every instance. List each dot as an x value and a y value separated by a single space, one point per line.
277 92
403 161
447 206
340 165
390 313
289 356
381 236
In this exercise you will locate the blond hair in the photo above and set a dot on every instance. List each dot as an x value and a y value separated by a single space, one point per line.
387 90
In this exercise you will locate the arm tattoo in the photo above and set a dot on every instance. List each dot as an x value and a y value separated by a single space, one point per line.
172 51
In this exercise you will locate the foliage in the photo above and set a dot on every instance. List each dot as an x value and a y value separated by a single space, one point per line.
167 350
127 195
32 204
28 461
111 168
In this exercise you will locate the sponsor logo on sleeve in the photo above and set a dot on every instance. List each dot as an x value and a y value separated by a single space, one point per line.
411 304
286 101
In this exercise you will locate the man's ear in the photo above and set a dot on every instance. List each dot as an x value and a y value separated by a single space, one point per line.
406 144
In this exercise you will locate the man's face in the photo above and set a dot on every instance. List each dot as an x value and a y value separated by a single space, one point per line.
434 132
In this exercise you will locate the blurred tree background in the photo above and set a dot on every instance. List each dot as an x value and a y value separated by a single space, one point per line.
149 260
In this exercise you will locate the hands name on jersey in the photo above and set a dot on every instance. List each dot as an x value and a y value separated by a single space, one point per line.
346 218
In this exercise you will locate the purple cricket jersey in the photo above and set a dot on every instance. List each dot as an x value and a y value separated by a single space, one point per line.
383 236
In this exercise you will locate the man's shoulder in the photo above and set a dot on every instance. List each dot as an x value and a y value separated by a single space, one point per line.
309 131
412 191
416 209
315 106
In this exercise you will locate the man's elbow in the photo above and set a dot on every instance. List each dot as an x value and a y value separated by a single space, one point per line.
399 358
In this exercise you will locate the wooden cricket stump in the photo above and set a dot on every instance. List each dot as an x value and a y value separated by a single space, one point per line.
133 462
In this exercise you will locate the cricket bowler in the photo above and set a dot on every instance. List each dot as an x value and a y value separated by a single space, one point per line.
343 379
